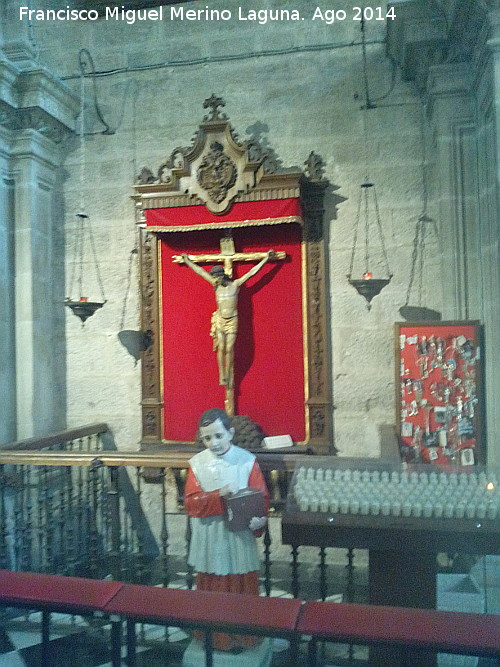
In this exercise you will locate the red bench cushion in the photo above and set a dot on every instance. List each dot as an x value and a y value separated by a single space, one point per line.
206 608
457 632
46 590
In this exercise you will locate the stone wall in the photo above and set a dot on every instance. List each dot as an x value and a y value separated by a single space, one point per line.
298 86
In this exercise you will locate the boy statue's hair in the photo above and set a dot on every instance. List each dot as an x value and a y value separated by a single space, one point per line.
209 416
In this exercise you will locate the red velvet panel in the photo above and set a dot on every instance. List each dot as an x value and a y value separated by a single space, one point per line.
269 368
183 216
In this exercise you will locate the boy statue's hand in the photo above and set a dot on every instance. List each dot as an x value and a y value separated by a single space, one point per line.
257 522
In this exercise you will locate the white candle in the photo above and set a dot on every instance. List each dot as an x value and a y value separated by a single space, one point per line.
354 507
396 508
334 506
417 509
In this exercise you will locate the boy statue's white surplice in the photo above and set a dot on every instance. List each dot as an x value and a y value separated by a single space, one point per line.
224 560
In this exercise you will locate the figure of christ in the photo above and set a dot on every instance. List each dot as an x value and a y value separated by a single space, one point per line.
224 560
225 319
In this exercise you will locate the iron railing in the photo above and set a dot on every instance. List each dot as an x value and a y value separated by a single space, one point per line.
72 505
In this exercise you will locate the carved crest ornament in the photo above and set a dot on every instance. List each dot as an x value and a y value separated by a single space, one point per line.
217 173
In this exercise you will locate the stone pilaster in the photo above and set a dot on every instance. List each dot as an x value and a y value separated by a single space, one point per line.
36 114
33 166
487 95
451 114
7 347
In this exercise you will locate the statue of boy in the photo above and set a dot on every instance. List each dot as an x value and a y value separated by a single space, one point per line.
223 560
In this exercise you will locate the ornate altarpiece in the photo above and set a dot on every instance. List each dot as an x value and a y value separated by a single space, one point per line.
222 187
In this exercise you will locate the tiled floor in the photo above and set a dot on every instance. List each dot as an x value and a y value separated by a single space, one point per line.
78 642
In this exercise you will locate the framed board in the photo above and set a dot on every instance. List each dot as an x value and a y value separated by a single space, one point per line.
439 395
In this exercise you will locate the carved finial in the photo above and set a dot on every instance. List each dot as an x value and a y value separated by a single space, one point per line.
315 167
145 177
213 103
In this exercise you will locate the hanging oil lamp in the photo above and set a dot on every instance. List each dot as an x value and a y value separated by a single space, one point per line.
366 285
81 305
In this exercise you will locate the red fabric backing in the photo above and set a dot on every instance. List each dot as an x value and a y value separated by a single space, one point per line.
181 216
269 368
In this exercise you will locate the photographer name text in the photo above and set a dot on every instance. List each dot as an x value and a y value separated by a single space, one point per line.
179 13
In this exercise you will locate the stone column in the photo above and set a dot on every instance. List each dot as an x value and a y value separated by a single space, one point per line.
34 163
8 75
34 123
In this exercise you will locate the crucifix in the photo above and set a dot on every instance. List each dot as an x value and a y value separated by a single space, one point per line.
224 325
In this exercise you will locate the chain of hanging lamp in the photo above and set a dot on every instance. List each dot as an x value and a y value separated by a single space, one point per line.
425 227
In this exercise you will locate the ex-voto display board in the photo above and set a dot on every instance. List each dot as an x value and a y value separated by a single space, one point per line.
439 392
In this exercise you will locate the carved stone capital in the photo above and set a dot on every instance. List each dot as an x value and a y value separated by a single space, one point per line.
40 88
426 35
33 118
36 100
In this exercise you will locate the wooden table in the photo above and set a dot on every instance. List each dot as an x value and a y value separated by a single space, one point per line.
402 552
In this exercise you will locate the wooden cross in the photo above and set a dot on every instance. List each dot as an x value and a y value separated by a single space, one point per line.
228 256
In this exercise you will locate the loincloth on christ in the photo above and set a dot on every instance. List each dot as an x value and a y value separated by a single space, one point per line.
225 325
